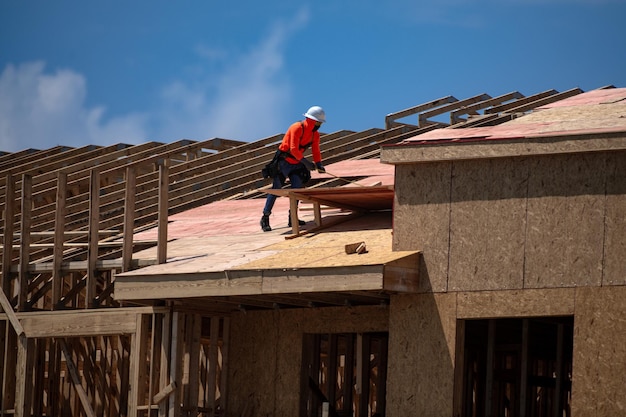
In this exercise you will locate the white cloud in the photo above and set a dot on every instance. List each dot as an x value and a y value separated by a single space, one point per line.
41 110
246 100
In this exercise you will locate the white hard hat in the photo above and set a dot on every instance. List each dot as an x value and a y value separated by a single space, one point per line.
316 113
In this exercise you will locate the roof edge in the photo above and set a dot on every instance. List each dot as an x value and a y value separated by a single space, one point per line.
495 147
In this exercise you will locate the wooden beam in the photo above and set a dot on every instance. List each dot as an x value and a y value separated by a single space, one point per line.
81 323
9 369
92 251
176 371
524 369
23 275
392 117
23 377
489 376
129 218
7 239
163 212
164 393
137 363
193 330
73 371
225 359
59 228
164 377
213 365
8 309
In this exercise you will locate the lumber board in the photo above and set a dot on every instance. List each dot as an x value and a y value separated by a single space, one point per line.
75 323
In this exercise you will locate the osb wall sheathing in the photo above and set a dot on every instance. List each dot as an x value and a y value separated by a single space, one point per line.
615 246
422 343
266 353
566 205
420 372
487 224
511 223
599 361
422 219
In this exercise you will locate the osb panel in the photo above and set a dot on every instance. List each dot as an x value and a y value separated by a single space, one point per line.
328 249
266 353
565 221
252 363
422 218
615 244
598 377
487 224
422 337
516 303
580 117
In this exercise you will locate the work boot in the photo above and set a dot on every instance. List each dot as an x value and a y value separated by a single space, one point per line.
300 222
265 223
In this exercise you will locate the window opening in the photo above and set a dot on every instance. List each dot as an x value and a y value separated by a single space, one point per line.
517 367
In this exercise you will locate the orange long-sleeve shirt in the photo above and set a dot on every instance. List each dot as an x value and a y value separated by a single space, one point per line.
300 136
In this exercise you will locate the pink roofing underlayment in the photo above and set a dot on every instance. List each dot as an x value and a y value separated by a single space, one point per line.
226 234
565 117
236 217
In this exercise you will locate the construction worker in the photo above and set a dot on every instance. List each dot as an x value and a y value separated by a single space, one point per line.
291 162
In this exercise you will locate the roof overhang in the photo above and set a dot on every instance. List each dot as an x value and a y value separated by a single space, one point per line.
347 283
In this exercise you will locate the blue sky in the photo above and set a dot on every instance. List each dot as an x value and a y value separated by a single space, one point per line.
79 73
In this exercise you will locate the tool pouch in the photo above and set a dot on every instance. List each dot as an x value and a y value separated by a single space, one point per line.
272 169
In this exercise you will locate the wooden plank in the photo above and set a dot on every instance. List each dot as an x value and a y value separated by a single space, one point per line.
85 323
164 393
417 109
525 364
154 334
22 294
225 361
137 364
423 117
473 108
9 370
92 251
7 239
213 363
59 228
8 309
163 212
23 377
491 346
164 378
176 370
506 107
76 380
129 218
293 213
350 198
194 331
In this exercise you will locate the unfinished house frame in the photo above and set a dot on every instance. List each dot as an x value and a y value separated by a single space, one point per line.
479 270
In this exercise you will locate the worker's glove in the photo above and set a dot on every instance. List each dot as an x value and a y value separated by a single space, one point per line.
320 168
307 164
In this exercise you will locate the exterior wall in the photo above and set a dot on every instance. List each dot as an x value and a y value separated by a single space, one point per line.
513 223
422 340
266 353
511 237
